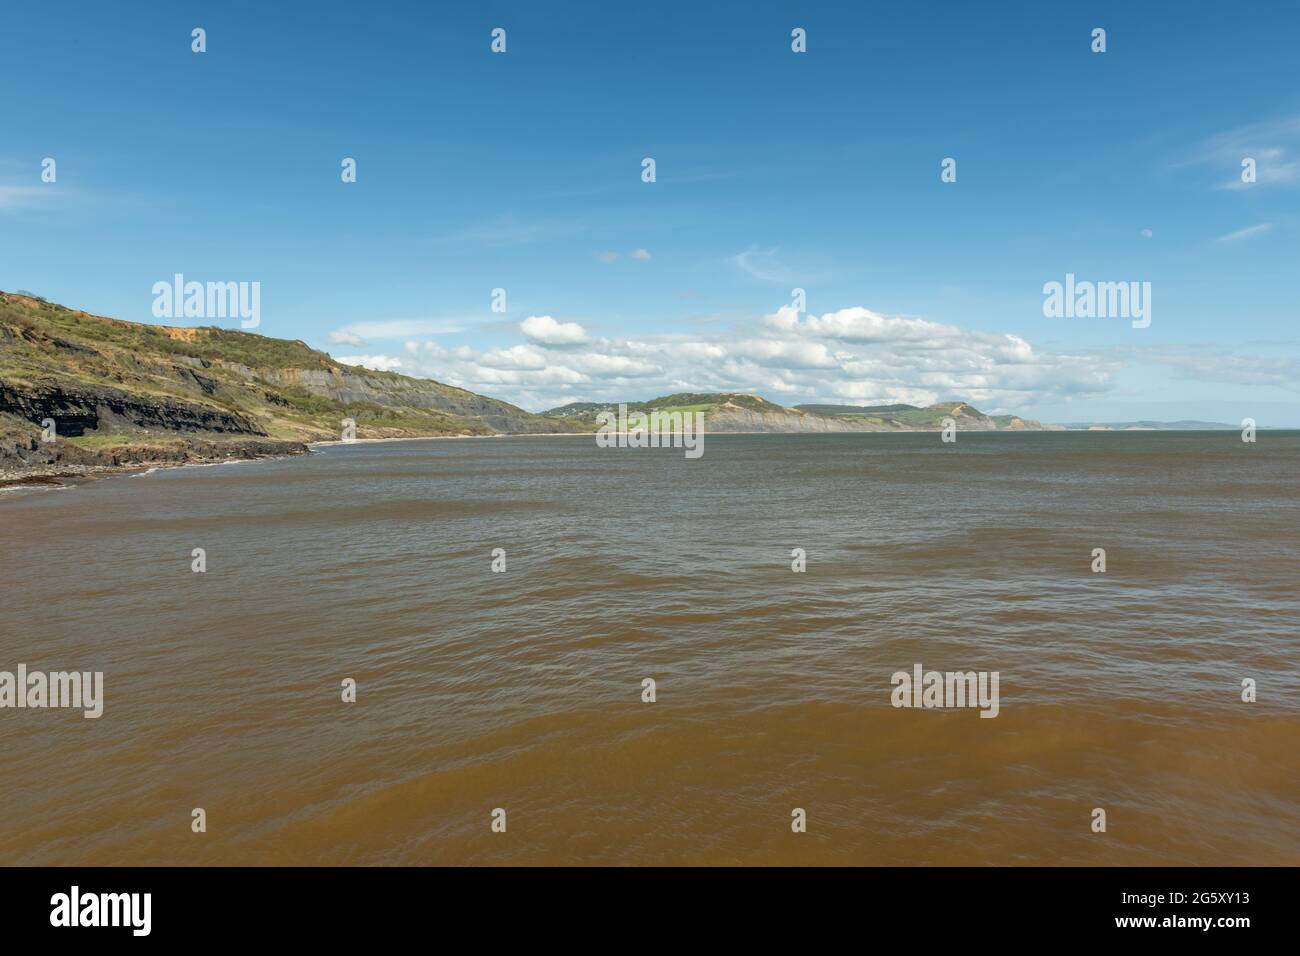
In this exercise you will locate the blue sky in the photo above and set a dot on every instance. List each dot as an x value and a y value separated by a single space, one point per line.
775 170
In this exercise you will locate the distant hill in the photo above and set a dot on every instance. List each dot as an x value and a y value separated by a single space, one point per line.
724 412
743 412
125 392
929 418
854 409
1184 425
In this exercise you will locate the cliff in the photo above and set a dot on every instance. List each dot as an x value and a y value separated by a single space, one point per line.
126 393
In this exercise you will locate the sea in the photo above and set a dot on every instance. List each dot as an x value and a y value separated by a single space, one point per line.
536 651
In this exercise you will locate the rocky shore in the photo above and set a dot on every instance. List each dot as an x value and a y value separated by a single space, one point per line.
25 459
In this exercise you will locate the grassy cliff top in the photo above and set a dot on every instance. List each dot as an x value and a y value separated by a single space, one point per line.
71 365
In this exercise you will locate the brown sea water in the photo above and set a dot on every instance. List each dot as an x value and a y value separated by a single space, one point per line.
522 689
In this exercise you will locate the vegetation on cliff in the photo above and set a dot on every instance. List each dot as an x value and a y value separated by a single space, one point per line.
124 392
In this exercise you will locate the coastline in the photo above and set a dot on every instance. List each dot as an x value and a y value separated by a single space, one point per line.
368 441
60 473
53 475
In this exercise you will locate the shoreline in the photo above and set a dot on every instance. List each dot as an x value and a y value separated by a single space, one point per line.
69 477
66 476
371 441
55 476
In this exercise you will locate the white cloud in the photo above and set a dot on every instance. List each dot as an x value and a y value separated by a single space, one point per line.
762 264
860 325
398 328
853 356
384 363
1213 364
779 353
601 365
509 230
344 337
517 357
14 197
18 196
543 328
641 254
1273 144
1246 233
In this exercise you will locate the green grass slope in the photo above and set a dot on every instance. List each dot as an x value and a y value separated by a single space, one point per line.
103 381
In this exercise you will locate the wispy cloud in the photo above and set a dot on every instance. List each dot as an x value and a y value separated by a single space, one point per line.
384 363
762 264
668 177
344 337
357 332
1273 144
609 255
13 198
508 230
1246 233
17 198
1206 363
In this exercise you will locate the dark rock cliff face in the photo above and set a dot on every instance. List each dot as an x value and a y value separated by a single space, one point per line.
105 409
